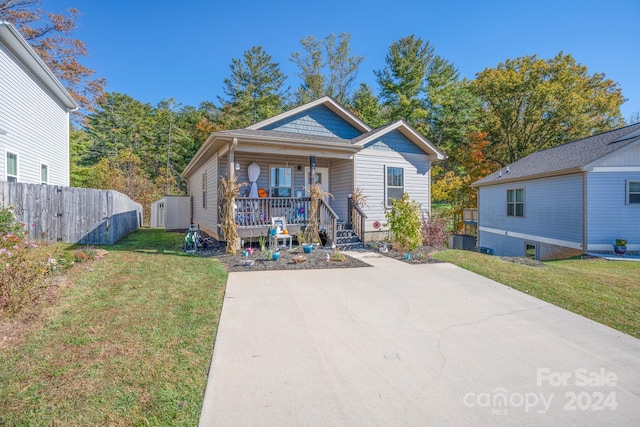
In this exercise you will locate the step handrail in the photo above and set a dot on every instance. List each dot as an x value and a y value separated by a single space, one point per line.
356 218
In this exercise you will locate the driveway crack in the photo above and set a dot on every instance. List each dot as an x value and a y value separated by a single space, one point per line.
477 322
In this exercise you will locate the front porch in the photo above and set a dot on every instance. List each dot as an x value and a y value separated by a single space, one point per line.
253 217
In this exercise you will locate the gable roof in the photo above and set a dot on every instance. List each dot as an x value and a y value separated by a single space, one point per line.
575 156
414 136
18 45
328 102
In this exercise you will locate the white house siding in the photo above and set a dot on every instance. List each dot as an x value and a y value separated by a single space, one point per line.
36 124
629 157
370 167
265 161
207 218
608 215
552 216
341 185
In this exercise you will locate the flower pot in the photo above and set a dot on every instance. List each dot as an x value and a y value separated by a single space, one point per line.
276 256
619 250
307 248
273 231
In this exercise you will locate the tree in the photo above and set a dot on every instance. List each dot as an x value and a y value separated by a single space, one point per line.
366 106
120 122
529 104
50 35
453 185
326 68
412 80
255 89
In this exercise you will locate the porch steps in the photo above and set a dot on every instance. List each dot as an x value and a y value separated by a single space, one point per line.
347 240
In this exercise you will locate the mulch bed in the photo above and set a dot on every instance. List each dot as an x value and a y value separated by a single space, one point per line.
421 255
317 259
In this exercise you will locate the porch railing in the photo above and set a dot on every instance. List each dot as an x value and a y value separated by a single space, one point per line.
258 211
255 212
356 217
329 220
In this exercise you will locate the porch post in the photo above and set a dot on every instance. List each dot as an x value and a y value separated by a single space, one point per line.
232 157
313 170
232 173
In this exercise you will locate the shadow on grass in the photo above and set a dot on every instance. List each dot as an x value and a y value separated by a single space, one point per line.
147 241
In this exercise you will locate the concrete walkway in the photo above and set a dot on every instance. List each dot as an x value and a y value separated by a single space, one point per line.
411 345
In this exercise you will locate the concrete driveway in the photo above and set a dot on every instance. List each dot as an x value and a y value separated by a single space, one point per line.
411 345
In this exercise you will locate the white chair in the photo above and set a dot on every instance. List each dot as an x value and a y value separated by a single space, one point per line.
280 224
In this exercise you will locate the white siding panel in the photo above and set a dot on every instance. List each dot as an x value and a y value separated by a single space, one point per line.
36 124
207 218
265 161
629 157
340 185
553 209
608 215
371 173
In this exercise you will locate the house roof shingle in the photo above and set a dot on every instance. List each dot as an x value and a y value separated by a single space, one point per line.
564 158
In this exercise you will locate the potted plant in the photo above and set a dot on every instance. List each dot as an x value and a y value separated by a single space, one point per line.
620 247
316 243
307 247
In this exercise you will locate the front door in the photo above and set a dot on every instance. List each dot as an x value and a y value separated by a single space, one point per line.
322 178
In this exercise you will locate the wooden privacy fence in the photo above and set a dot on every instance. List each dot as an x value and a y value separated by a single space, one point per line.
72 215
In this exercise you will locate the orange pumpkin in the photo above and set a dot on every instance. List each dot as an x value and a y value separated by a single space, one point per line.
285 231
262 192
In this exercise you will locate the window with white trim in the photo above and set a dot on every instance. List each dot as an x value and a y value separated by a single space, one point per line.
11 167
633 192
394 184
204 190
515 202
281 181
44 173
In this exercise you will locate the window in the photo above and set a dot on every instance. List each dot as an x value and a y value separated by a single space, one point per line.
204 190
633 192
12 167
44 173
515 202
281 179
395 184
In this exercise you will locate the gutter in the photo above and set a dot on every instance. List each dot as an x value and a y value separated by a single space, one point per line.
497 181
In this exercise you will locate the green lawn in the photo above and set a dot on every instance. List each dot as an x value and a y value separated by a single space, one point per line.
128 343
605 291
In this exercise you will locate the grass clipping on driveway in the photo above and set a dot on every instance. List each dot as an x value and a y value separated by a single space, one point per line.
605 291
129 342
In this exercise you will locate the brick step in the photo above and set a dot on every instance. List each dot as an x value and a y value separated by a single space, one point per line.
345 233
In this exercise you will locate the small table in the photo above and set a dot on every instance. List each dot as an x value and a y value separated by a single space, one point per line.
273 240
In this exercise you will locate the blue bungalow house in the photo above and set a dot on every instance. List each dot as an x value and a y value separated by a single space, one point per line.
320 141
564 201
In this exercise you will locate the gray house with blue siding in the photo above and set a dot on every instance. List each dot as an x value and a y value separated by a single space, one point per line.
568 200
320 141
34 115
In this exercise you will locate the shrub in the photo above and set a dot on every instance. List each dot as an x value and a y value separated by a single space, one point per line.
405 223
435 230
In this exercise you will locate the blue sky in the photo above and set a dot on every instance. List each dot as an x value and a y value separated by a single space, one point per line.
159 49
